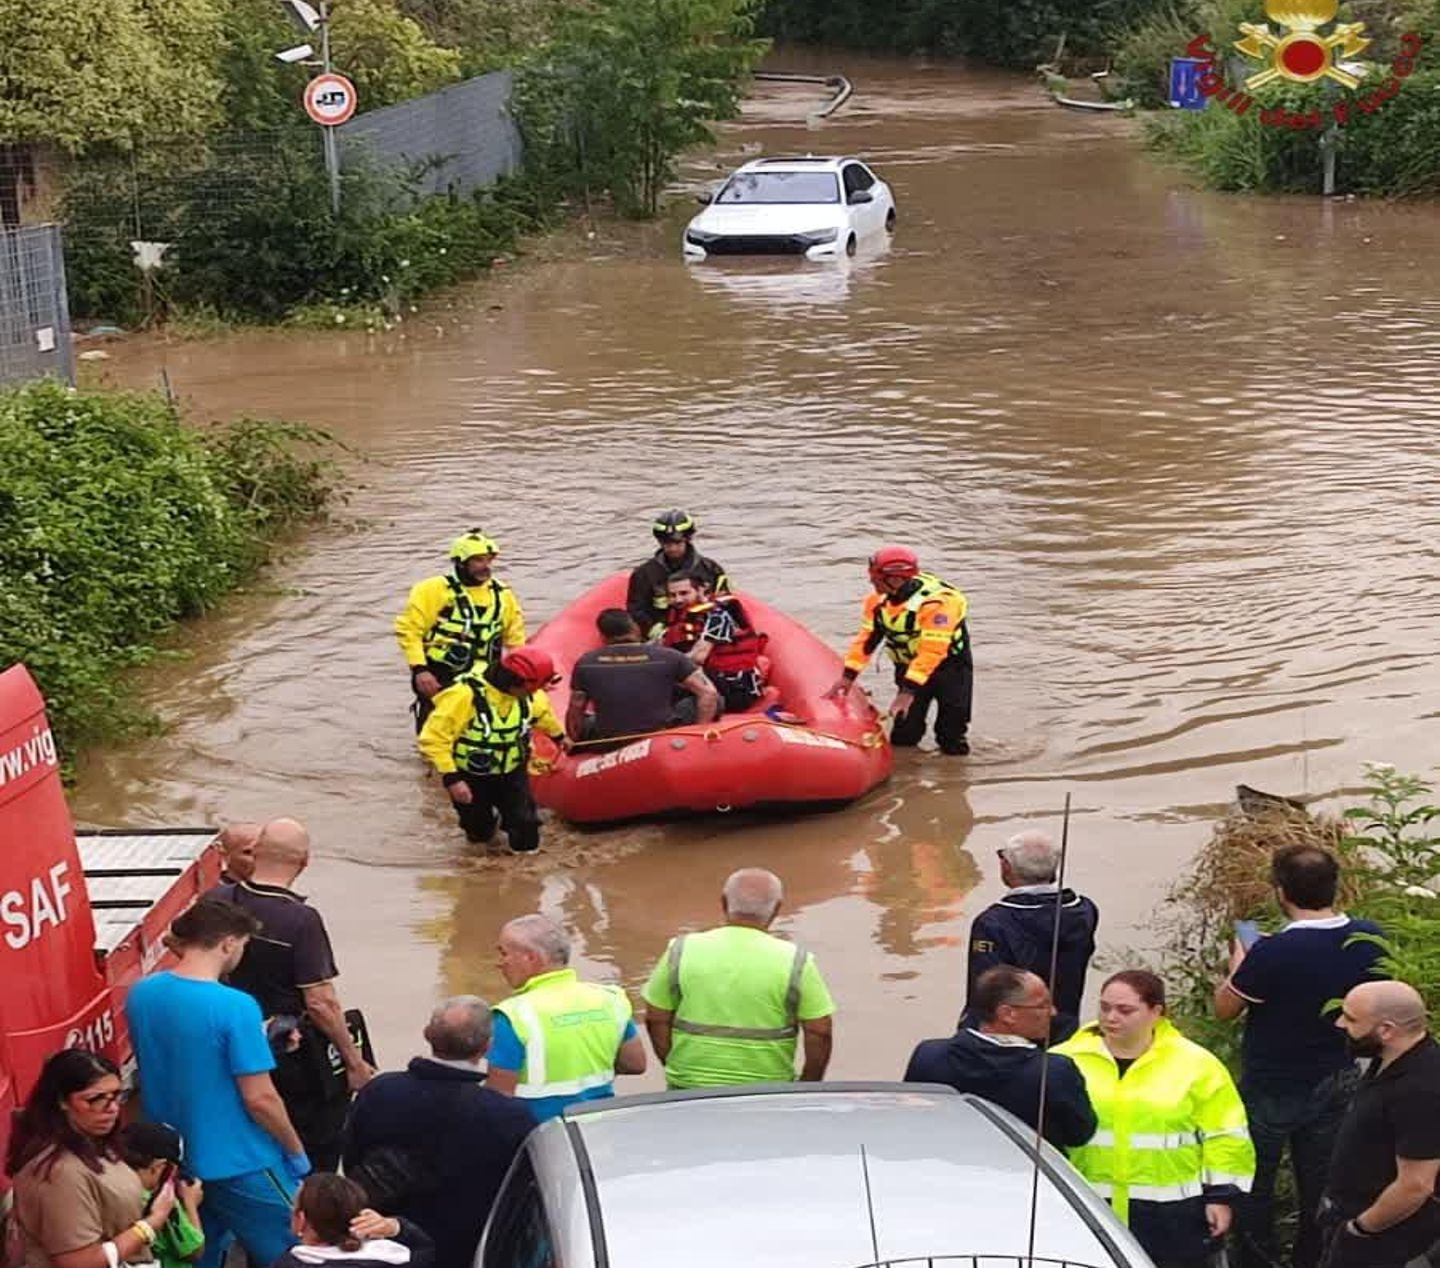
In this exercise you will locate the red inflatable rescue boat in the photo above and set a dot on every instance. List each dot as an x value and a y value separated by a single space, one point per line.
828 753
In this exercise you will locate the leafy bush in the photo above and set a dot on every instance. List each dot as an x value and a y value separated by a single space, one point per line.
253 236
626 85
1391 151
116 520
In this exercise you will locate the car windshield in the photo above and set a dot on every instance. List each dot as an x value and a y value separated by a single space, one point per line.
781 187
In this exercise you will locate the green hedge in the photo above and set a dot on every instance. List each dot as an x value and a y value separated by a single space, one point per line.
117 520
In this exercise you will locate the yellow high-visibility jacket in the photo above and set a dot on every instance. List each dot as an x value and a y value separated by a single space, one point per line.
455 626
1172 1130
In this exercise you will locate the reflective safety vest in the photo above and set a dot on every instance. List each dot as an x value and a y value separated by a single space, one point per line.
736 997
466 632
497 741
571 1030
684 629
899 623
1170 1130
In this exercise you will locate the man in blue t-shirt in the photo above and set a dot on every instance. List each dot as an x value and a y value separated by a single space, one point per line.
1296 1075
205 1070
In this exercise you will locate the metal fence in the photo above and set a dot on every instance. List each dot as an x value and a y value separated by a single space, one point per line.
34 313
462 138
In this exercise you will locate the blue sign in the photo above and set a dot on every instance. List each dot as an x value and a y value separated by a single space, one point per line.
1185 75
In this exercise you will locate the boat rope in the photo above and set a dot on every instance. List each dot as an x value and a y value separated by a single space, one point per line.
712 734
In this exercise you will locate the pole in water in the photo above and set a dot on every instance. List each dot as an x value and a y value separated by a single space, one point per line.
1045 1054
332 153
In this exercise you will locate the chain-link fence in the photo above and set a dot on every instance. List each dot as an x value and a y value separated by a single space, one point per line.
34 315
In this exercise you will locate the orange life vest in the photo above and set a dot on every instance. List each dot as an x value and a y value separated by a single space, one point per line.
741 655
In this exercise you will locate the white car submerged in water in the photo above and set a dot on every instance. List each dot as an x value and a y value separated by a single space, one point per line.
820 208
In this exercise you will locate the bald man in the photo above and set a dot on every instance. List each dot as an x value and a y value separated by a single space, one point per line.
1380 1198
236 844
289 968
726 1006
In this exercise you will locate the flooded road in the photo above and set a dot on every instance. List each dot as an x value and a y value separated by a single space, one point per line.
1178 449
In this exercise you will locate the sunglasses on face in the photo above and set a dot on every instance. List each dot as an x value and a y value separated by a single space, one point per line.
105 1100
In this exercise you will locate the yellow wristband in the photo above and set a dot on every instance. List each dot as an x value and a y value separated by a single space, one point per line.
147 1233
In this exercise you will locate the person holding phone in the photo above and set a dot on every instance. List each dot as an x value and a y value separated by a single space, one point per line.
1295 1076
153 1151
77 1205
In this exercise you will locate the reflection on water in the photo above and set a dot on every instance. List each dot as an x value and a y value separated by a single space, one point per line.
1176 447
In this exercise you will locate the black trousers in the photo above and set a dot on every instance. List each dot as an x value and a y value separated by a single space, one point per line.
505 798
1305 1121
951 689
422 707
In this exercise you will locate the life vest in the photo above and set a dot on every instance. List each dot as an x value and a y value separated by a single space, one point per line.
735 994
494 743
571 1031
466 632
658 571
899 623
740 656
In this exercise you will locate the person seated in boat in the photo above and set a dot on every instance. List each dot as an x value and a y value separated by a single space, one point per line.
715 633
646 598
631 688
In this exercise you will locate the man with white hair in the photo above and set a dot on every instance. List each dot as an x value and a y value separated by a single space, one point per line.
726 1006
431 1143
1380 1197
557 1041
1020 928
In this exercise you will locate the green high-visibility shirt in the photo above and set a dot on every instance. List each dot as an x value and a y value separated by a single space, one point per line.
738 995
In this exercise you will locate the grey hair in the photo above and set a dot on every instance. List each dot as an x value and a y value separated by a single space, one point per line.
541 935
752 893
1033 856
459 1028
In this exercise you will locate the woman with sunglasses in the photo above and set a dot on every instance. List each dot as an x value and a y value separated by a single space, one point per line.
77 1205
478 739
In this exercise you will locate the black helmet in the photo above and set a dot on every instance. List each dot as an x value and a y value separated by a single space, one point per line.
669 525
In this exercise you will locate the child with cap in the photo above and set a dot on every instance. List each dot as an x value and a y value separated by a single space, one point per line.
153 1152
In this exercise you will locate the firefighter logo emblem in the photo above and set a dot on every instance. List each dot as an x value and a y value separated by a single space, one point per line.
1301 53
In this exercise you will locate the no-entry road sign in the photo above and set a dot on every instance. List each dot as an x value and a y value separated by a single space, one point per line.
330 99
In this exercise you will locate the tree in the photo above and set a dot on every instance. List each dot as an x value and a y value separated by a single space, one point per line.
627 85
389 56
82 73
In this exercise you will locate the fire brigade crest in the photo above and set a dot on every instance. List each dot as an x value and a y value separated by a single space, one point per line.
1301 53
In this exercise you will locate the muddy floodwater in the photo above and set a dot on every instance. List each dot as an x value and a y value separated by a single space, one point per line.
1178 448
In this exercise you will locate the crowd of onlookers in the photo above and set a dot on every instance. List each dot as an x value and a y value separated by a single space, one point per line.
257 1087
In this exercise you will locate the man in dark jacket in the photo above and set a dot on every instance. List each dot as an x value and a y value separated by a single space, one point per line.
432 1144
1000 1059
1020 928
646 599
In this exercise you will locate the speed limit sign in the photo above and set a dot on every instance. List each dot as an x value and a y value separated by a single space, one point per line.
330 99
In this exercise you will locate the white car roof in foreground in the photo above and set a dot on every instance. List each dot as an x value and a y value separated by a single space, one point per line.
773 1178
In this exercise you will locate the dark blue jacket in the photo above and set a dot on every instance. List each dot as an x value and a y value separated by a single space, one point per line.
1019 929
1008 1075
466 1133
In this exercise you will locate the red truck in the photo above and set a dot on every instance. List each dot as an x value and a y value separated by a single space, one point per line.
82 917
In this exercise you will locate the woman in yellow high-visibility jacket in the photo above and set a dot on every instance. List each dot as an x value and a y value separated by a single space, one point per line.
1172 1150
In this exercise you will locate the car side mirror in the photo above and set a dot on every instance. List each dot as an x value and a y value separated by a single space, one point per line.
861 196
705 197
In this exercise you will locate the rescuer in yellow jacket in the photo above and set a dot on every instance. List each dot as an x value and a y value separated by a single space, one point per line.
478 738
921 622
1172 1151
453 621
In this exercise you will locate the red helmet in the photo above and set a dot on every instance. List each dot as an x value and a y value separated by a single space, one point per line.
531 665
894 562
